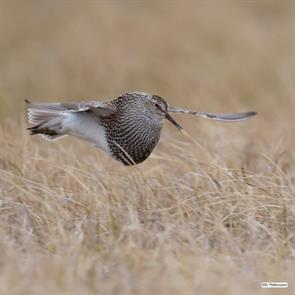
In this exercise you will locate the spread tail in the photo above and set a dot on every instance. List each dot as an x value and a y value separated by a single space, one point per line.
47 123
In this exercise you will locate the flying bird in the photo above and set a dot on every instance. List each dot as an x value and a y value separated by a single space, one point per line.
127 128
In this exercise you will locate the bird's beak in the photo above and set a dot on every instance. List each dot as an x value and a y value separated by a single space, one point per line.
168 117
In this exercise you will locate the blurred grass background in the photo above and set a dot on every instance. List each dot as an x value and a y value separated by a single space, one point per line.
207 53
216 205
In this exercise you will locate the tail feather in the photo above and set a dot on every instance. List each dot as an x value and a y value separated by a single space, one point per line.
46 133
46 123
38 116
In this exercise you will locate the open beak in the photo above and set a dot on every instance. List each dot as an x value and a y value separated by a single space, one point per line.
168 117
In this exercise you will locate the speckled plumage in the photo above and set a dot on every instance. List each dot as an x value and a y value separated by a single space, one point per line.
131 134
127 128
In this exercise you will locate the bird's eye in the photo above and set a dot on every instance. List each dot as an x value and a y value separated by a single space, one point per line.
157 106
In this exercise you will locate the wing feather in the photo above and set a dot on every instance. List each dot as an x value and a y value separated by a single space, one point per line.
98 107
230 117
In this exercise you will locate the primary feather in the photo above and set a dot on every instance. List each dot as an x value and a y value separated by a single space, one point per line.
229 117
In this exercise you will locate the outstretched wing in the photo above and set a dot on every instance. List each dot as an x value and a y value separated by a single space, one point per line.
229 117
98 107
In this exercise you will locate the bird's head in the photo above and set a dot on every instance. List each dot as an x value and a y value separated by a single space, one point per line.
157 109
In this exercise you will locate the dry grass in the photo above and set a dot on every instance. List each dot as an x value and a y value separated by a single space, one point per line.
211 212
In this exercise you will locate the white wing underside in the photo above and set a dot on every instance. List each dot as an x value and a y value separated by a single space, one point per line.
77 119
86 126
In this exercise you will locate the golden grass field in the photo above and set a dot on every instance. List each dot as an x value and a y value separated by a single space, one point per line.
212 211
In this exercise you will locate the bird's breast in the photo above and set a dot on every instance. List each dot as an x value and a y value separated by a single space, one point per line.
132 141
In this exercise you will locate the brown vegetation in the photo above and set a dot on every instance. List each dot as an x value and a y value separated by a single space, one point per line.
212 211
